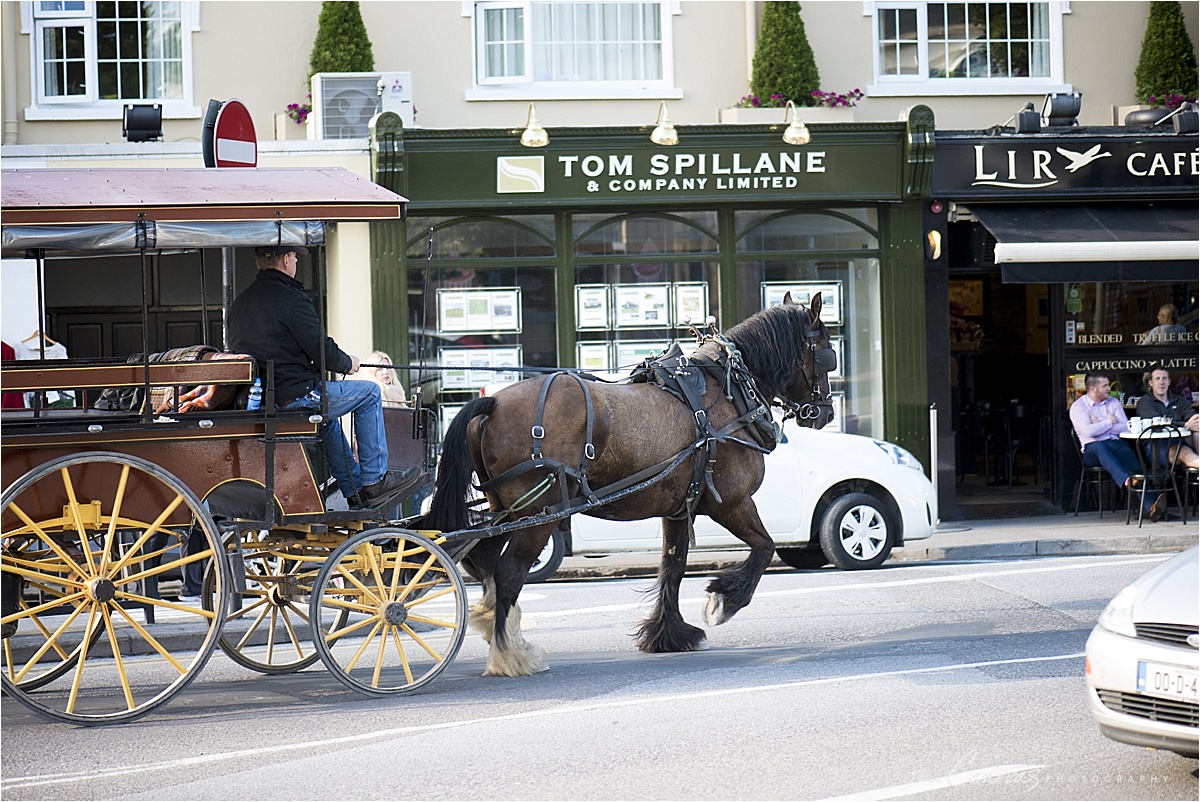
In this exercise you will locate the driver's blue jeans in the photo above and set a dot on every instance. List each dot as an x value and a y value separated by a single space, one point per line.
360 399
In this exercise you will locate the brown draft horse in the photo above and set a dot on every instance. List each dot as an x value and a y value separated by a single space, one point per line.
636 426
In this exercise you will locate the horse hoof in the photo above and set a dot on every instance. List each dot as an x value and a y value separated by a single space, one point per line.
714 610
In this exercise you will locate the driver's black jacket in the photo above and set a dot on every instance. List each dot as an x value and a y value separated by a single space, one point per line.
275 319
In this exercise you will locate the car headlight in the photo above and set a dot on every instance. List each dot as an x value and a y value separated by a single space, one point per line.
1118 615
899 456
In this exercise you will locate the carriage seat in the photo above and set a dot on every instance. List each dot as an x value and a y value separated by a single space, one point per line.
201 394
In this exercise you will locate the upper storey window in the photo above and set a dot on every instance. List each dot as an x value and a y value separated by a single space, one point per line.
91 57
572 49
976 48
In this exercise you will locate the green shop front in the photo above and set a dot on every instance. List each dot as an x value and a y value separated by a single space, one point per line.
597 249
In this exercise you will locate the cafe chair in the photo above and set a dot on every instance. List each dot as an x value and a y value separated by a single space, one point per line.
1096 479
1158 463
1022 436
1191 490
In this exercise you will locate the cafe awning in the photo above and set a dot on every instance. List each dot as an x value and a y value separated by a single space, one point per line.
1085 242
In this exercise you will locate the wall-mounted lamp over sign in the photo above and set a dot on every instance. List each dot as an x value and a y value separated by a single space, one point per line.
797 132
142 123
534 136
1028 120
1062 109
664 131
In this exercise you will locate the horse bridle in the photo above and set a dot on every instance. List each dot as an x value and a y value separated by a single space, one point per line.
824 361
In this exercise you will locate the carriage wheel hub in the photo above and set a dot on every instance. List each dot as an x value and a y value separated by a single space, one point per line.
395 613
101 589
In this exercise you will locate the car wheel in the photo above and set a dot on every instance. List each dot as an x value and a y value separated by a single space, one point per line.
802 557
549 560
857 531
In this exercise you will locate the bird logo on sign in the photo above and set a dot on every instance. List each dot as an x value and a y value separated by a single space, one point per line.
1080 160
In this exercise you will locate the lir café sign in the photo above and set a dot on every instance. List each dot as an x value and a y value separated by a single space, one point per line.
1046 165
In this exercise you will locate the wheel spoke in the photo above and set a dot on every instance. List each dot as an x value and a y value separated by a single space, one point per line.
49 541
51 640
111 535
77 519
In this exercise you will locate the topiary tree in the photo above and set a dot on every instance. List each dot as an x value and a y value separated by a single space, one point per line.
1166 70
784 67
342 44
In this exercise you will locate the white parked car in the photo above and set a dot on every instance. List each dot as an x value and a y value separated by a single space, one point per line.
1143 659
827 498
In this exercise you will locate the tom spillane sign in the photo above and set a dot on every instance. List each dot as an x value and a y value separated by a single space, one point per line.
1047 166
721 174
673 172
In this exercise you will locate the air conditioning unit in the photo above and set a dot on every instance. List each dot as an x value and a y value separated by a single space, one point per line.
344 102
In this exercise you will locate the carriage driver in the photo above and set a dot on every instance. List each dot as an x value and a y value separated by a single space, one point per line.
274 319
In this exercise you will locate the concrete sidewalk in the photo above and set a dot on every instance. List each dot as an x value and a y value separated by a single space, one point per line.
1049 535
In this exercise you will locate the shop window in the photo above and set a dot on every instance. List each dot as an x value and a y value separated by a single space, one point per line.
481 237
92 57
967 48
767 231
535 49
474 309
627 312
603 235
1159 317
778 245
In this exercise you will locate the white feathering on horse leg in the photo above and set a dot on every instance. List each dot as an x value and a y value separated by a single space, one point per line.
481 616
714 610
521 658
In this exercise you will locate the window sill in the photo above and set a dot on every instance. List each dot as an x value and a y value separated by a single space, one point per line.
176 111
965 88
572 91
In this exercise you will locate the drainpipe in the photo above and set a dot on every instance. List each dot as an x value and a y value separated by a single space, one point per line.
751 38
12 23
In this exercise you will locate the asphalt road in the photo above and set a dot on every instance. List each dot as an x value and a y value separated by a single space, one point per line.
917 681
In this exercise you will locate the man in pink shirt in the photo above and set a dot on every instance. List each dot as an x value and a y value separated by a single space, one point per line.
1099 419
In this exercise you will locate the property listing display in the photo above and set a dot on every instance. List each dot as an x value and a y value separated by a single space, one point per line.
475 368
626 308
479 311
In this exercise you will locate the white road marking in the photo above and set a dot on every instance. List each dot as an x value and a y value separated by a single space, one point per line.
565 710
890 583
965 778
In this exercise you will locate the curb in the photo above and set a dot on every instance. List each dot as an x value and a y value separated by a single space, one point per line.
1052 547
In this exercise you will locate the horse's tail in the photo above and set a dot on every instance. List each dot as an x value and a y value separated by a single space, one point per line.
448 508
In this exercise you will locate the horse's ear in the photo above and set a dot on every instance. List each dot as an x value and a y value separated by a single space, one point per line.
815 306
787 299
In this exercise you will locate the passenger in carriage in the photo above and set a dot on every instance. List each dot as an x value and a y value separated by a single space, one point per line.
274 319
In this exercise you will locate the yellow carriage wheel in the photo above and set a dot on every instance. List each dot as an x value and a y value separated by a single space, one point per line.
87 540
267 626
406 608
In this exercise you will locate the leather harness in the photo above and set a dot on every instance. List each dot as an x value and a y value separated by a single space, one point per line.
685 378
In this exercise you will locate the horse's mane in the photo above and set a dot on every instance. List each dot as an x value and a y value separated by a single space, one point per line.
769 342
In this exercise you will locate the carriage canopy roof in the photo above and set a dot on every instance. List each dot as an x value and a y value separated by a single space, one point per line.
65 211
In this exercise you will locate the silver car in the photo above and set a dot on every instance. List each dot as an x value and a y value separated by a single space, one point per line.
1143 659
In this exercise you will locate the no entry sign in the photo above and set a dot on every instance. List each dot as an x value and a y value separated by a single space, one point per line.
236 145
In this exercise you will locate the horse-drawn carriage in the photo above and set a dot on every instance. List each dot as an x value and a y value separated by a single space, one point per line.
102 506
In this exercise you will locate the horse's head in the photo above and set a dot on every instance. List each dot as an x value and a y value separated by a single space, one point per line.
809 389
